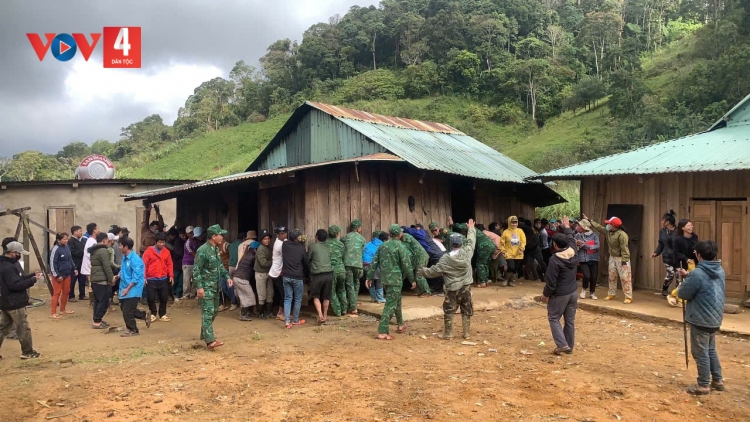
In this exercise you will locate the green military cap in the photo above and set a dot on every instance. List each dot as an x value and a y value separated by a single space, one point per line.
394 230
356 223
433 226
215 229
376 234
462 226
334 230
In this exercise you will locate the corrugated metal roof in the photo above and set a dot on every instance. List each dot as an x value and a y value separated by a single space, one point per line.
722 149
739 114
249 175
399 122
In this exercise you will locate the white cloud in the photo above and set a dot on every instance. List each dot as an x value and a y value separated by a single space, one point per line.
161 90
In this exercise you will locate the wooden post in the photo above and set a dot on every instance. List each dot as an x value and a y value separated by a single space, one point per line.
42 264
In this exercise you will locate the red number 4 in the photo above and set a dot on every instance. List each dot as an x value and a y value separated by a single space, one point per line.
122 47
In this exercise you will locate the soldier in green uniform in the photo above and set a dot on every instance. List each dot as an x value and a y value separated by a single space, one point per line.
419 259
207 274
338 291
455 267
392 257
485 248
354 245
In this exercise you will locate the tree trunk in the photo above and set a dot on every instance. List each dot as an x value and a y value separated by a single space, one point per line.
374 37
596 58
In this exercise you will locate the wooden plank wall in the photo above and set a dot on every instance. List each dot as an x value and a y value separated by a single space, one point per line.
659 194
205 209
492 204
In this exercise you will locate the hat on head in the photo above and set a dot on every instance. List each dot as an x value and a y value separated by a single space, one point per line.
356 223
394 230
264 233
189 229
280 229
456 239
615 221
585 224
251 235
294 234
197 231
433 226
376 234
334 231
514 219
553 220
254 245
462 226
16 247
111 236
216 229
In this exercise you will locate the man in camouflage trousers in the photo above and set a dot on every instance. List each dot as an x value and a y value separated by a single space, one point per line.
393 259
354 246
338 290
485 248
208 272
455 267
419 259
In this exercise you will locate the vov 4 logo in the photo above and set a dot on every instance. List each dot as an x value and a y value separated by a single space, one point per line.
121 44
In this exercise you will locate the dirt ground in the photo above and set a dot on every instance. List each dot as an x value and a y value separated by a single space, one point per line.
621 370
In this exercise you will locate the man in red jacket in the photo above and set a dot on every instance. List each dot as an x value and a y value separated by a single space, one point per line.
159 276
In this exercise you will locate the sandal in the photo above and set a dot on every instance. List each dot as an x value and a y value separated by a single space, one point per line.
696 391
387 337
98 327
214 344
354 314
68 312
424 295
482 286
717 386
280 318
402 329
55 316
300 322
288 326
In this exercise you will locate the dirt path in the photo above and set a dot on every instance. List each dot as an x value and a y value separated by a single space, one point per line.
621 370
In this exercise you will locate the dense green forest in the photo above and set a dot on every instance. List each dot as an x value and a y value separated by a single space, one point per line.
504 71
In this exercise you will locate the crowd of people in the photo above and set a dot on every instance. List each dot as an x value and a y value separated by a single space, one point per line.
265 274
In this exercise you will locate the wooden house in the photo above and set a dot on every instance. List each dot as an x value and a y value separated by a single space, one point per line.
703 177
329 165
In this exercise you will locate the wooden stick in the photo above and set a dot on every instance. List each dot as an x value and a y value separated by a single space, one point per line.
43 404
61 415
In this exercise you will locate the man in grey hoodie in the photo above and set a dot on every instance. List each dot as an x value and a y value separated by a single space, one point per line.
703 289
561 290
455 267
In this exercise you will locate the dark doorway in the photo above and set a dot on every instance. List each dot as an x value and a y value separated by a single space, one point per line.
462 200
247 213
632 222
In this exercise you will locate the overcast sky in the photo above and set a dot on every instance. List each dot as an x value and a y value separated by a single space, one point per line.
45 105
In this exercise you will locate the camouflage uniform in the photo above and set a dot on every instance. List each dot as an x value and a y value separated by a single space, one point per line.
207 274
456 271
338 291
354 245
419 259
392 257
485 248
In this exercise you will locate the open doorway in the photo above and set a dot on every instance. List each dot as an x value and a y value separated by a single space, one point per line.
462 200
247 212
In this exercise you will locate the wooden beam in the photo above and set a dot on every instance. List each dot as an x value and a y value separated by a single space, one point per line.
276 182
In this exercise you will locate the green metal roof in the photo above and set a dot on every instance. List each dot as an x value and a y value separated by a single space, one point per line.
725 146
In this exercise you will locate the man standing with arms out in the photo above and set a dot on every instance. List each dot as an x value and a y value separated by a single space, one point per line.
77 245
159 276
207 273
703 289
321 274
188 259
561 290
102 279
131 280
264 284
14 298
455 267
276 267
354 247
149 230
513 245
338 289
619 257
393 259
93 231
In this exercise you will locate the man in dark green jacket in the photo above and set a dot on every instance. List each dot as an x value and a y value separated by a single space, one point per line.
393 259
321 274
264 283
336 252
207 274
101 279
354 246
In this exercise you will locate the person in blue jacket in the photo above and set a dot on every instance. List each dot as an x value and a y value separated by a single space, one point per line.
703 289
132 280
376 289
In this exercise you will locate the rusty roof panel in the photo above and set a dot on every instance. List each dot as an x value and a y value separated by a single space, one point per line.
400 122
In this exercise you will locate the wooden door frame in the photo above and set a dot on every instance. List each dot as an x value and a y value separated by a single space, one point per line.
47 209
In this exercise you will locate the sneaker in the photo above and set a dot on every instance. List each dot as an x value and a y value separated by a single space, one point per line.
153 318
31 355
583 294
129 334
164 318
665 291
233 307
609 297
560 350
593 296
72 299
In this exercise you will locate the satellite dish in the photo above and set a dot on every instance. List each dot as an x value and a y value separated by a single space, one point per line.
95 166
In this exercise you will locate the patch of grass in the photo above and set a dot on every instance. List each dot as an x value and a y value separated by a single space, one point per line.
570 190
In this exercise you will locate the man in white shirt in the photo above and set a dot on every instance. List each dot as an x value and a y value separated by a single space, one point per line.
434 230
275 272
92 229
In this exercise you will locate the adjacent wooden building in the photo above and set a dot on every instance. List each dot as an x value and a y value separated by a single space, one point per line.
703 177
329 165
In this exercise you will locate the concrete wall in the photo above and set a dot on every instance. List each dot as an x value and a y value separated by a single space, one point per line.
100 203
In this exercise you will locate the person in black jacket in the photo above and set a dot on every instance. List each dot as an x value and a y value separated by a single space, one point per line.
665 249
77 245
14 298
294 269
561 290
683 245
533 251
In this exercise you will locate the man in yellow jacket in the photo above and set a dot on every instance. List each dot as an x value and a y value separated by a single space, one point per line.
512 244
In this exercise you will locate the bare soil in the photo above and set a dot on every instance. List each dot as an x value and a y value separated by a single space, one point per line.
621 370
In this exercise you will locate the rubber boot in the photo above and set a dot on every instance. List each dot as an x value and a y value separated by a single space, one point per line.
245 314
466 323
448 331
510 281
269 310
256 311
379 295
262 309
